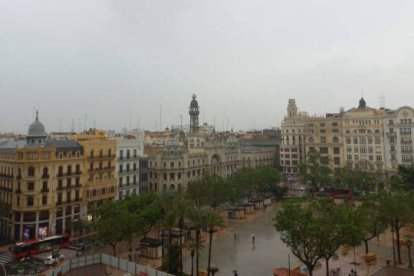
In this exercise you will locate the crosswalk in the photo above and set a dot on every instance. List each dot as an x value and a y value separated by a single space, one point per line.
6 257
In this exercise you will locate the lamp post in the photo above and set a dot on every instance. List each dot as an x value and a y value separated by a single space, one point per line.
393 246
410 261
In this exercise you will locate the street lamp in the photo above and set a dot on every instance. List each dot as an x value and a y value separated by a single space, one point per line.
410 261
213 270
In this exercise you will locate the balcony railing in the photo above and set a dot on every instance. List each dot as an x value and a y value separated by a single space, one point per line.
45 176
44 190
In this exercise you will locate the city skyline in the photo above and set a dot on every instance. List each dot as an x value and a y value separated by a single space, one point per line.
120 62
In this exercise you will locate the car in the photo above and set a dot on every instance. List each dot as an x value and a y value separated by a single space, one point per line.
50 260
300 188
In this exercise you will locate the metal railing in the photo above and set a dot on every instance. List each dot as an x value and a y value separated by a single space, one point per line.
104 259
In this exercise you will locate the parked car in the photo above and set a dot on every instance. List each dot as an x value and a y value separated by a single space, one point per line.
49 260
300 188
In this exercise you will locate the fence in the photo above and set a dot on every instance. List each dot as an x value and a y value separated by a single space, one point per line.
121 264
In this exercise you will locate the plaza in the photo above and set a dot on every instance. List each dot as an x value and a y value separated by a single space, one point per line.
269 252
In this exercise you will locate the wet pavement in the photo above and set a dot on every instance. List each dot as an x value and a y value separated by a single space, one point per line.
229 254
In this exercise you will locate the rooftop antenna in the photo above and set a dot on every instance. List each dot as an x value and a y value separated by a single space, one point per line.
382 100
60 124
160 119
72 129
181 120
84 121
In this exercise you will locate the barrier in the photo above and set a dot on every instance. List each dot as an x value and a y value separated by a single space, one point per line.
115 262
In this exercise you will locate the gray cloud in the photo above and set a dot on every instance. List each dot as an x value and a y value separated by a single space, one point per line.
118 61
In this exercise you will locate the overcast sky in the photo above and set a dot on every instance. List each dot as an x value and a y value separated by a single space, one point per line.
119 61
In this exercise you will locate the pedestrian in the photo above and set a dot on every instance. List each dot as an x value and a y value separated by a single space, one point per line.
235 236
235 273
253 239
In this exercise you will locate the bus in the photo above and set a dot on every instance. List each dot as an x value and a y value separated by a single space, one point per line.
31 247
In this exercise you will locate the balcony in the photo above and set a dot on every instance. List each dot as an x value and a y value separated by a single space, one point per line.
59 202
18 177
45 176
44 190
77 186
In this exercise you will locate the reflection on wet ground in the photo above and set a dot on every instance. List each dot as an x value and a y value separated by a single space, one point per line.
229 254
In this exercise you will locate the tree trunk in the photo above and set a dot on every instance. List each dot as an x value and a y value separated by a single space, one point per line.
327 266
209 251
192 262
114 248
197 250
366 246
397 232
169 250
180 256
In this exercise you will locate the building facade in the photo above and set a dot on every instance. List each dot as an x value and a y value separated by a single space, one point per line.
374 140
100 159
41 183
129 153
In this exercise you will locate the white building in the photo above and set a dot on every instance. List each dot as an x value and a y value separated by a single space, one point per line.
129 154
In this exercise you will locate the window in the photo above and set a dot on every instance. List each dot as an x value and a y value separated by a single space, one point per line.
30 186
335 139
323 150
44 200
29 200
31 171
336 150
172 165
323 139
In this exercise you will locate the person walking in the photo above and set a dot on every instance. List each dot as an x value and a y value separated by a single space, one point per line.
235 273
253 239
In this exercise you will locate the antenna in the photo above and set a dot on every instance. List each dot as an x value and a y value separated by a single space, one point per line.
181 120
60 124
73 126
160 119
84 122
382 100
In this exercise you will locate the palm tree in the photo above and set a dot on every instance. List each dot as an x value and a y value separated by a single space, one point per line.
197 218
213 221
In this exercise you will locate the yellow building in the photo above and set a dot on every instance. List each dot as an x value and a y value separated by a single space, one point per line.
100 153
41 184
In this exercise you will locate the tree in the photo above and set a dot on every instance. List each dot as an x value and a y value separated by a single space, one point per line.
396 206
107 216
355 179
372 220
404 180
213 221
211 189
197 218
316 229
315 170
300 232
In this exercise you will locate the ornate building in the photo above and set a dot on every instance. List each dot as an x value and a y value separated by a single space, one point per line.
375 140
292 150
41 182
100 152
180 160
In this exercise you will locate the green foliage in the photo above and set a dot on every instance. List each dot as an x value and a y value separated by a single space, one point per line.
315 172
259 181
211 189
404 180
315 229
372 219
397 208
356 179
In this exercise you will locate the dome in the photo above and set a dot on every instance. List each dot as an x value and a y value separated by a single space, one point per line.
194 102
37 129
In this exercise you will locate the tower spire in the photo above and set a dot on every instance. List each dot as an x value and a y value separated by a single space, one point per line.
194 112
